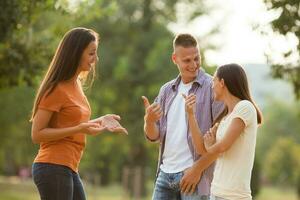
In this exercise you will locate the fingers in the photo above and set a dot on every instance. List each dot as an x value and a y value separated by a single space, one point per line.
183 184
193 188
119 130
146 102
190 99
215 127
155 109
190 96
91 125
187 188
97 129
153 112
190 102
116 117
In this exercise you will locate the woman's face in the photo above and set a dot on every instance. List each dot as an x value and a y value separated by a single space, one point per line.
89 57
218 87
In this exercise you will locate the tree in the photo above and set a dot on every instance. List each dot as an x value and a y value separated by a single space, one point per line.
135 50
285 156
287 24
17 44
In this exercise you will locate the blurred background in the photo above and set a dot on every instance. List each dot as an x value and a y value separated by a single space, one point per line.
135 49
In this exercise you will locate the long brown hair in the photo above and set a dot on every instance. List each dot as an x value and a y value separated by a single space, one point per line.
236 82
65 61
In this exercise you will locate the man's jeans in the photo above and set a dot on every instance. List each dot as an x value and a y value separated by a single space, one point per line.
57 182
167 188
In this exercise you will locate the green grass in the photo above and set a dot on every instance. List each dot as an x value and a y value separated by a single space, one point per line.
14 189
275 193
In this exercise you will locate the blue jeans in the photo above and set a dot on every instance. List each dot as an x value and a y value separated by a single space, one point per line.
167 188
57 182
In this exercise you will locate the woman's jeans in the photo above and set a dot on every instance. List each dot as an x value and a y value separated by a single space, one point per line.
167 187
57 182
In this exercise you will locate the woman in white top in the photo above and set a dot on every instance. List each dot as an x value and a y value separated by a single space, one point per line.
232 139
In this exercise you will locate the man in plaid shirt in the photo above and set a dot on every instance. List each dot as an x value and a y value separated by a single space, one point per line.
165 122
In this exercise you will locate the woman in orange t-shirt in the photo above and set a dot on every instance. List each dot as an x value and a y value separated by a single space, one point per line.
61 117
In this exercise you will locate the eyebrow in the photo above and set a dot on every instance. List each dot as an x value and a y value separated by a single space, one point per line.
189 58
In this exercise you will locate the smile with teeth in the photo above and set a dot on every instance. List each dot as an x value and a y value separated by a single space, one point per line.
192 70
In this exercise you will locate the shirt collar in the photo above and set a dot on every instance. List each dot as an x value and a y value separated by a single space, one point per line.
200 78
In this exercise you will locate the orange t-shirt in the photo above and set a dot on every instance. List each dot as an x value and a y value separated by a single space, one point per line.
70 107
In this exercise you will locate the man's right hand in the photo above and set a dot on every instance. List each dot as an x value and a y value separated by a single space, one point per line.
153 112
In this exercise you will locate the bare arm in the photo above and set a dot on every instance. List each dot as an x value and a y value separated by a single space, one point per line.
193 175
196 135
190 102
41 132
233 132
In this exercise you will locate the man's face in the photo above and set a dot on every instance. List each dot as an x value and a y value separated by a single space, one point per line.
188 62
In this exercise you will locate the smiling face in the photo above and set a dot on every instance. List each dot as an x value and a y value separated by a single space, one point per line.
89 57
188 62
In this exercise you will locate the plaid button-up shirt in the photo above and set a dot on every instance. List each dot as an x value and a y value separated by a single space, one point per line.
206 111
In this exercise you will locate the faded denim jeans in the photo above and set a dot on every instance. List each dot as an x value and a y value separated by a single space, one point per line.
57 182
167 188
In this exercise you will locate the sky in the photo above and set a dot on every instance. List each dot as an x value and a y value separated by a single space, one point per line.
238 40
239 37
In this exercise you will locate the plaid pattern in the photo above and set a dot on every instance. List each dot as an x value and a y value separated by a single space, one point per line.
206 111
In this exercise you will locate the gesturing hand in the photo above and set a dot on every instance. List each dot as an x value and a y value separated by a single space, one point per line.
190 103
210 136
91 128
153 112
111 122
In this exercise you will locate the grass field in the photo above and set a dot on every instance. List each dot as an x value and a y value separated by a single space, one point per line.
14 189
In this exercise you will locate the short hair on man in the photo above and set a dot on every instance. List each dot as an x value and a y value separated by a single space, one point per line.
185 40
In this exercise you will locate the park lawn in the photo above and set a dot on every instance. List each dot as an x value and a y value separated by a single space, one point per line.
14 189
275 193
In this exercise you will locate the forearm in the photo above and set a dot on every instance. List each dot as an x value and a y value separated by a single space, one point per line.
151 130
218 147
205 161
196 135
51 134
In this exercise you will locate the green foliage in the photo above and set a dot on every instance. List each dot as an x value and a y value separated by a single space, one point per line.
255 178
135 59
285 156
16 147
278 143
287 24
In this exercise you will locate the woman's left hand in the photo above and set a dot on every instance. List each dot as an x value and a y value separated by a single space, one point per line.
210 136
111 122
